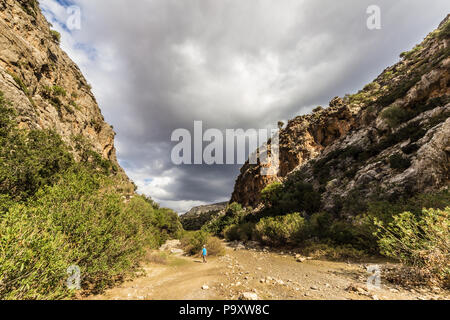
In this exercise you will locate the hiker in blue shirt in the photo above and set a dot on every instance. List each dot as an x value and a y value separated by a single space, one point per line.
204 252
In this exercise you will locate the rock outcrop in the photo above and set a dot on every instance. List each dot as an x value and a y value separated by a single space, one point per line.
303 139
392 137
46 87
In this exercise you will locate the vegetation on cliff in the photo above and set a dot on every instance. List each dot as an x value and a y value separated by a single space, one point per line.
368 175
56 213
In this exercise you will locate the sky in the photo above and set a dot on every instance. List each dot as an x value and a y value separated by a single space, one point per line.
159 65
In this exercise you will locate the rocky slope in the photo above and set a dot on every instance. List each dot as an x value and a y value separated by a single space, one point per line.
44 84
391 138
195 218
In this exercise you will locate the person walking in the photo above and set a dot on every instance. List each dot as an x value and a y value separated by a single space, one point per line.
204 253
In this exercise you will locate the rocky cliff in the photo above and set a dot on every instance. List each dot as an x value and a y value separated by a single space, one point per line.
391 138
44 84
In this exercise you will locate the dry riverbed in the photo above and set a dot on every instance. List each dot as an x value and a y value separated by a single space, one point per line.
261 274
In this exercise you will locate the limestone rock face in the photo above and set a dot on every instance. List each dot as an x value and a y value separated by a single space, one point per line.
44 85
393 136
303 139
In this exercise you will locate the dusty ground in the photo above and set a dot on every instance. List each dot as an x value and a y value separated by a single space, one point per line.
272 276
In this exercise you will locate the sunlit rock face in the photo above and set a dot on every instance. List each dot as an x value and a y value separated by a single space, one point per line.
392 137
44 85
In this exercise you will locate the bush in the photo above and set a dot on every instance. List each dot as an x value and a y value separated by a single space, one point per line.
299 196
231 233
56 36
56 213
59 91
422 242
291 196
234 214
272 193
33 261
193 242
444 32
241 232
394 115
409 54
215 247
397 161
372 86
29 159
279 230
72 223
319 224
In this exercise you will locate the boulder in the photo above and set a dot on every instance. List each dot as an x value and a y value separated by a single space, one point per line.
248 296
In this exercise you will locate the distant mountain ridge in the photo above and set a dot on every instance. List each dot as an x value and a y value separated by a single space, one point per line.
195 218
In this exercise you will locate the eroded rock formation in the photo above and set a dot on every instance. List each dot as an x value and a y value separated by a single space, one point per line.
391 137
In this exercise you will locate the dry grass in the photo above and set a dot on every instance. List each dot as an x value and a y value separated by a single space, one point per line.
215 247
333 253
156 257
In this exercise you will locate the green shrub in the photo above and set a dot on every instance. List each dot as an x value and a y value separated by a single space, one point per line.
272 193
33 260
372 86
397 161
31 7
422 242
7 114
59 91
360 97
55 213
20 83
29 159
394 115
56 36
409 54
231 233
354 232
444 32
399 90
291 196
241 232
234 214
279 230
299 196
193 241
72 223
319 224
167 222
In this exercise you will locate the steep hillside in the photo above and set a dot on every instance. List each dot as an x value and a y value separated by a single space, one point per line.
47 88
367 175
391 139
70 222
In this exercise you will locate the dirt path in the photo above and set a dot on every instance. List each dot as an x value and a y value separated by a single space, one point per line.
272 276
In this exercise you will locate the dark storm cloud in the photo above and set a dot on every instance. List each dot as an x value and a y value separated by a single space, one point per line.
158 65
